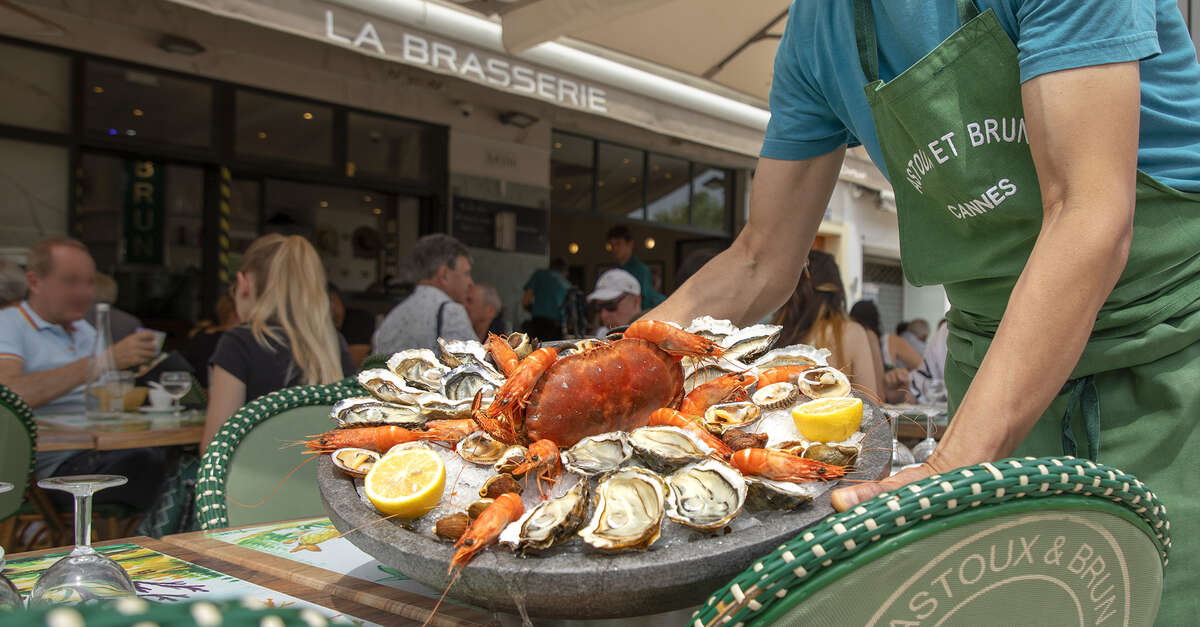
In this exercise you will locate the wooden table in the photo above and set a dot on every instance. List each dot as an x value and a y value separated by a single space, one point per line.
127 430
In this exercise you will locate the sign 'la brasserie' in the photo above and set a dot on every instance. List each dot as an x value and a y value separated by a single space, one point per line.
480 67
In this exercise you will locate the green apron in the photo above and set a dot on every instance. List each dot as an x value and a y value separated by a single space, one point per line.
952 132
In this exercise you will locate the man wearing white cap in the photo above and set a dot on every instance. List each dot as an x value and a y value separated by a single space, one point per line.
618 295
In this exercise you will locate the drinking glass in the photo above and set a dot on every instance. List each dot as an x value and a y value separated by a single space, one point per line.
117 384
176 383
924 449
84 575
901 456
10 599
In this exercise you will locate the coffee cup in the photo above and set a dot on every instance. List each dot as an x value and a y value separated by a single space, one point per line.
159 399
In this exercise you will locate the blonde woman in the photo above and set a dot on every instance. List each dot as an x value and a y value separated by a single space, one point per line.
286 336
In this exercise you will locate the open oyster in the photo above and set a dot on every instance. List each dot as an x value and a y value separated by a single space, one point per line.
457 353
823 382
775 395
512 457
434 406
628 511
699 371
667 448
706 495
763 493
711 328
795 355
598 454
750 342
462 383
548 522
386 385
723 416
480 448
356 462
419 367
367 410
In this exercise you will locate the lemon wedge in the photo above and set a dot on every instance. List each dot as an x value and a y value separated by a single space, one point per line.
828 419
407 483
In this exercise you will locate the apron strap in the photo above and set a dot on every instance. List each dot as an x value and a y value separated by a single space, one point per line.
868 44
1082 393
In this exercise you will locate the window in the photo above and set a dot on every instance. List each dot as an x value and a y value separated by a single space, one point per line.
138 105
669 190
571 172
33 192
619 185
711 193
282 129
36 88
384 147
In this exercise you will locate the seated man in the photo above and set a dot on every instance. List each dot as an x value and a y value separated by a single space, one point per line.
46 357
483 308
618 296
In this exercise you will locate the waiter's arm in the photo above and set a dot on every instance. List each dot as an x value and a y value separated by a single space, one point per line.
1083 133
756 274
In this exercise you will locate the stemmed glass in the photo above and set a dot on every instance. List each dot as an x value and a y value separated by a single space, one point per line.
176 383
10 599
924 449
84 575
901 456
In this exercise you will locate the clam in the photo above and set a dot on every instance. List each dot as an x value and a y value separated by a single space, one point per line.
463 382
386 385
499 484
477 508
738 439
775 395
628 511
480 448
765 493
456 353
598 454
520 344
667 448
452 526
794 355
834 454
823 382
510 459
367 410
750 342
548 522
434 406
698 371
706 495
356 462
792 447
419 367
711 328
722 416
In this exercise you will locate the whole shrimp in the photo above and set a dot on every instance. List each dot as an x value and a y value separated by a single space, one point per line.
502 352
673 340
781 466
723 389
543 462
512 396
487 527
380 439
667 417
780 374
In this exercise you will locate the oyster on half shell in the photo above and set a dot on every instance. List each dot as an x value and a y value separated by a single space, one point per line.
750 342
434 406
794 355
700 371
363 411
455 353
386 385
628 511
480 448
763 493
548 522
724 416
419 367
706 495
711 328
598 454
667 448
463 382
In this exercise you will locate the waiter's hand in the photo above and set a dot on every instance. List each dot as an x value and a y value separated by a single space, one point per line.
849 496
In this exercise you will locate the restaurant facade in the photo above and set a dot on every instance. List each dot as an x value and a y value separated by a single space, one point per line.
169 134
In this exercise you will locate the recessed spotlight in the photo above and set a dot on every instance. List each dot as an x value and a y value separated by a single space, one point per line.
137 113
625 160
573 248
367 198
650 242
667 175
130 132
97 89
262 134
556 144
324 203
377 211
566 186
608 247
307 115
633 179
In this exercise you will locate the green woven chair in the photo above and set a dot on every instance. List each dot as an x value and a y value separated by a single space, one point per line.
1050 541
18 433
249 458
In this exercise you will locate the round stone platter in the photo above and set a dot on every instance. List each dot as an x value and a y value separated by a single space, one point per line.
587 583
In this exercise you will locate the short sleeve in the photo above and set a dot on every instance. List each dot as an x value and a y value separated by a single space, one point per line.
233 353
1054 35
11 344
802 124
529 284
455 323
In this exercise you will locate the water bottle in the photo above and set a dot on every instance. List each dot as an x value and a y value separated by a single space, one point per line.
101 399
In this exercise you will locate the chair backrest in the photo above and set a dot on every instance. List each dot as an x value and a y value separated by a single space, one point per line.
243 470
1049 541
18 443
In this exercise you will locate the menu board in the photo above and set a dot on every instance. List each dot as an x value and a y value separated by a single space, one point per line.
474 224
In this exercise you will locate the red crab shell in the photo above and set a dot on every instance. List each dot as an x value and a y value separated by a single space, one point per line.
613 387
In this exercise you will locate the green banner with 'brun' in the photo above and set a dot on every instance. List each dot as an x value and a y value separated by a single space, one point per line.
142 233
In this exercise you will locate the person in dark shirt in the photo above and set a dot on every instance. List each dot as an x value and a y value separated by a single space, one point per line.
620 243
356 325
545 292
286 337
203 340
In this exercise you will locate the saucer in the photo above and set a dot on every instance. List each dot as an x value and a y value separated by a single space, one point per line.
156 410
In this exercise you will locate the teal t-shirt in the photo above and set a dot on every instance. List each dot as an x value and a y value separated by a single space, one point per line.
549 290
817 100
650 296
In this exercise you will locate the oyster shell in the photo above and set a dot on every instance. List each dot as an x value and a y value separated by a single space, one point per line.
706 495
499 484
480 448
711 328
722 416
765 493
512 457
792 447
750 342
628 511
834 454
699 371
520 344
794 355
455 353
462 383
356 462
667 448
598 454
477 508
548 522
737 439
823 382
404 446
419 367
434 406
386 385
775 395
361 411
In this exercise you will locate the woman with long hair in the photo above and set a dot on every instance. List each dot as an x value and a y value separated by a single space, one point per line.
815 314
286 336
895 354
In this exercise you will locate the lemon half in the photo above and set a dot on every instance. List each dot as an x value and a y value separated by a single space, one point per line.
828 419
407 483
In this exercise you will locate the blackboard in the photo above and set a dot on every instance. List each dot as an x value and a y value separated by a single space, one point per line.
474 224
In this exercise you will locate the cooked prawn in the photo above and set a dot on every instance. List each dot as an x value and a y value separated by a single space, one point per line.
503 353
380 439
673 340
781 466
542 463
512 396
780 374
667 417
723 389
487 527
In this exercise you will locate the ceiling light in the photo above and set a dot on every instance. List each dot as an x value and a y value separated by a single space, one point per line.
650 242
599 183
262 134
625 160
377 211
608 246
307 115
130 132
97 89
367 198
137 113
633 179
667 175
518 119
558 144
324 203
179 45
573 248
566 186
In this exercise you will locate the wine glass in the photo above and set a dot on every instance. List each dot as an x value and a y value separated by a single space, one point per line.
924 449
10 599
901 456
176 383
84 575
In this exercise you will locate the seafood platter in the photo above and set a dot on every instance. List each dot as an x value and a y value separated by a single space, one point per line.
594 478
